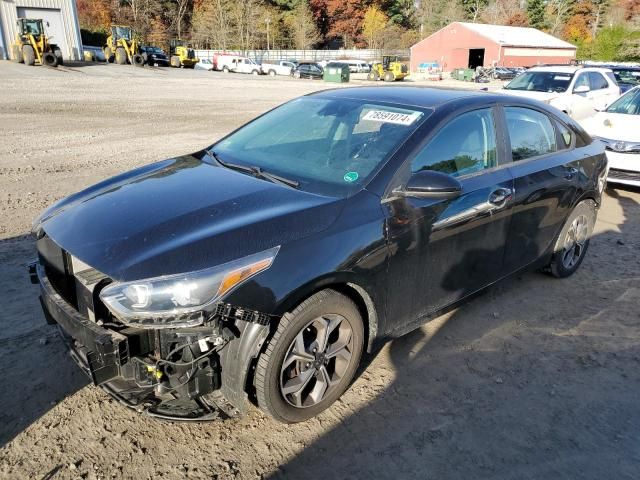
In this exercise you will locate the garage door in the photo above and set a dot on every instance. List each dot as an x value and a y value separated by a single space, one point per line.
55 27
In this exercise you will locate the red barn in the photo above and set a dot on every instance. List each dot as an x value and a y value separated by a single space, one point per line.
469 45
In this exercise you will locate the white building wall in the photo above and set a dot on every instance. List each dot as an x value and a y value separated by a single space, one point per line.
9 16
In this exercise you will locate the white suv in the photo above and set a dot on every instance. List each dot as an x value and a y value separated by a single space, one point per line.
577 91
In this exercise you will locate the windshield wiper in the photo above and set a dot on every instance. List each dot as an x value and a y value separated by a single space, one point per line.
255 171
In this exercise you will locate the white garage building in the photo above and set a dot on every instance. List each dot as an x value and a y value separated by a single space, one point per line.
61 15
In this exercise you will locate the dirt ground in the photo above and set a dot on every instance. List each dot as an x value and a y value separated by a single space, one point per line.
537 378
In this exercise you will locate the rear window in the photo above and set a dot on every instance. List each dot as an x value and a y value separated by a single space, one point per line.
531 133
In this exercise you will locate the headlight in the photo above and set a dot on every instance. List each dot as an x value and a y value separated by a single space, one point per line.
180 300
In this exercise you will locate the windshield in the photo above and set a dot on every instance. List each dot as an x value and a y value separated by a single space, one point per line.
330 146
628 104
33 27
627 76
122 32
541 82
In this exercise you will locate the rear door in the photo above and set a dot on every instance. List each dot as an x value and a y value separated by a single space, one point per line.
546 170
446 249
602 92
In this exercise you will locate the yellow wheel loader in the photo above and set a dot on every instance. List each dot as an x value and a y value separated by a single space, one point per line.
32 45
122 47
389 70
181 54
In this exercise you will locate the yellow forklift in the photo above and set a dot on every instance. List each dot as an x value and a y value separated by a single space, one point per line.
32 45
122 47
389 70
181 54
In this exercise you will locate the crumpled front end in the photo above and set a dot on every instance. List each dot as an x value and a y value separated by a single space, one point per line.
190 373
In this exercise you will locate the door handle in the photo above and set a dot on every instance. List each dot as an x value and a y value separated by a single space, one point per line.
570 172
500 197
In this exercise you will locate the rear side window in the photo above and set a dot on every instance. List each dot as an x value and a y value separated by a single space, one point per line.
531 133
463 146
597 81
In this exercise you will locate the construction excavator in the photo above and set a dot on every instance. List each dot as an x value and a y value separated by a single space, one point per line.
32 46
122 47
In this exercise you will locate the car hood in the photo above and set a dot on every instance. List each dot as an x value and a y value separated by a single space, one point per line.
540 96
181 215
615 126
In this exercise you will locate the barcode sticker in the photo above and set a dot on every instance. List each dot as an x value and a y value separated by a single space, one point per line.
392 117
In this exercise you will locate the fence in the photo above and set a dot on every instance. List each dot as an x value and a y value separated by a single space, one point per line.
309 55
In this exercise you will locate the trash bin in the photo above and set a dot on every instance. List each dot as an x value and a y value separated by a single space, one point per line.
336 73
467 74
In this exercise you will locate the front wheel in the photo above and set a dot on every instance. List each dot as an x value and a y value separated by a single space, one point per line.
311 359
573 241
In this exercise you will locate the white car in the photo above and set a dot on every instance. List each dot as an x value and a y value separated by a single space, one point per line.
618 127
204 64
282 67
577 91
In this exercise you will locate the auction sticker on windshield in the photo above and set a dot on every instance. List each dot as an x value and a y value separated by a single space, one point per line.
392 117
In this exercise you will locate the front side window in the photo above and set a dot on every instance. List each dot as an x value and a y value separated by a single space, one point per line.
597 81
465 145
531 133
331 146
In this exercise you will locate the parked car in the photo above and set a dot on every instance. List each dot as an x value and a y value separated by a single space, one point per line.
204 64
283 67
265 265
236 64
154 56
618 127
503 73
626 77
357 66
308 70
577 91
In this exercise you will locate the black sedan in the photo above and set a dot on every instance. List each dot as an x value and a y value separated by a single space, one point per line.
308 70
266 265
154 56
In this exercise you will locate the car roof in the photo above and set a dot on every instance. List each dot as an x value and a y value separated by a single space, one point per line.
411 96
568 68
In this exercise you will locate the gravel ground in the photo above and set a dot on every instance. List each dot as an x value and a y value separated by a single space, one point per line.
537 378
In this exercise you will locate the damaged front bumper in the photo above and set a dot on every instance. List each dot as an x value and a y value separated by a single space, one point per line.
182 374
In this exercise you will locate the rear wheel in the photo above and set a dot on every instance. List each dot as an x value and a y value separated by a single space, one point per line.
572 243
28 55
311 359
272 73
121 56
373 75
138 60
389 77
58 53
255 72
49 59
225 69
175 61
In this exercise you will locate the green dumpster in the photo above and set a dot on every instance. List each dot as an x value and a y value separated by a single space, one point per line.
468 74
336 73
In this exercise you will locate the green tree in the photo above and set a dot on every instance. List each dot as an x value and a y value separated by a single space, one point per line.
400 12
536 12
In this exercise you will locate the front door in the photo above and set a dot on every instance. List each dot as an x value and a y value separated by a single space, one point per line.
443 250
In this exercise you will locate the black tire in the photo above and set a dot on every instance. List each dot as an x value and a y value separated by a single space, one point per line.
108 55
272 73
373 76
58 53
565 261
137 60
16 54
389 77
121 56
28 55
49 59
175 61
268 369
297 75
255 72
225 69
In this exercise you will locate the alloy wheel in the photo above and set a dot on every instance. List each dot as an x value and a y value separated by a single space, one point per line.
316 360
574 242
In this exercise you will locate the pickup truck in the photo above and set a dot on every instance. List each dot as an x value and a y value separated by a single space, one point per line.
280 68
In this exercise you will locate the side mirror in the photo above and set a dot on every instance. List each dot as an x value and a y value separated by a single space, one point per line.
431 184
581 89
